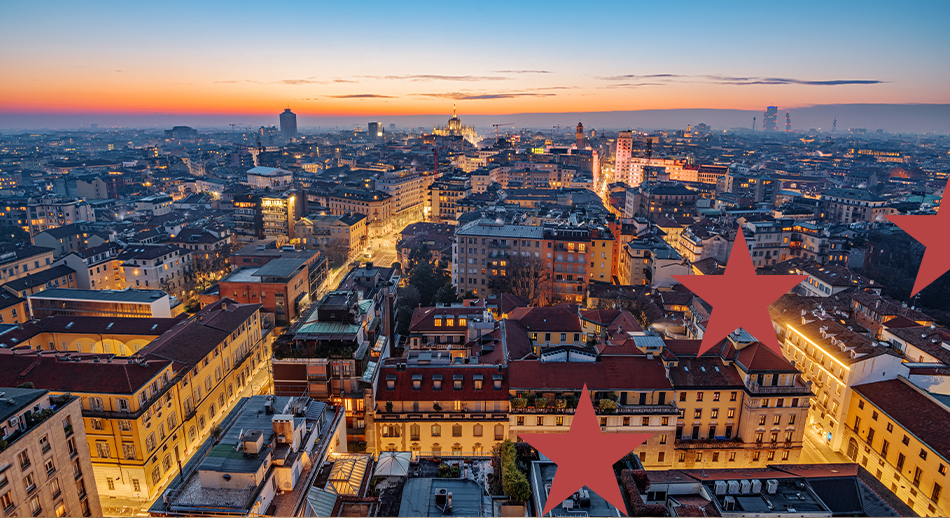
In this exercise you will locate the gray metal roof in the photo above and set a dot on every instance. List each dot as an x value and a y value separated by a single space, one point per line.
129 295
283 267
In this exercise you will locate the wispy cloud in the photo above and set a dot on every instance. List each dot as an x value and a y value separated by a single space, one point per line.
522 72
361 96
716 79
225 82
467 96
438 77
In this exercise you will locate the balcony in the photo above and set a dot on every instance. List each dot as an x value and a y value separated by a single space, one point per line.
800 388
707 444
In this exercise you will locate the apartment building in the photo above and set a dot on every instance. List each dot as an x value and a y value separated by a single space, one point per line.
13 308
440 408
272 178
482 251
769 242
20 262
53 211
46 463
567 252
97 267
145 412
166 267
846 206
67 239
896 430
56 277
348 230
155 205
444 193
407 189
453 329
834 357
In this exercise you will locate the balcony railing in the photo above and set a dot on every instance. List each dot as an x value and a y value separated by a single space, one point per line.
800 387
717 443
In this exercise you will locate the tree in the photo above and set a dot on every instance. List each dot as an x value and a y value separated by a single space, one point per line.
417 255
428 280
13 234
527 276
337 252
447 295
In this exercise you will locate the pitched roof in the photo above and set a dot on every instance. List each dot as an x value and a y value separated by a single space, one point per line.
51 373
608 373
911 409
759 357
547 319
403 387
423 319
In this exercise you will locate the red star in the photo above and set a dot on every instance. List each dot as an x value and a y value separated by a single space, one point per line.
937 247
585 456
739 298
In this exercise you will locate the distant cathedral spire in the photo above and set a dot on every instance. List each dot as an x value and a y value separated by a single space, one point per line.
453 111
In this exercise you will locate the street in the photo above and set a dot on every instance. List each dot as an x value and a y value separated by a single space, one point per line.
816 451
381 250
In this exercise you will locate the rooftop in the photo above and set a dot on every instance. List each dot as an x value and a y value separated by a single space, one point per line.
542 477
128 295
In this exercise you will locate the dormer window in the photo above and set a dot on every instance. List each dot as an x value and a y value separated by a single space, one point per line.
391 382
438 322
416 381
436 382
449 322
477 381
463 321
457 382
496 381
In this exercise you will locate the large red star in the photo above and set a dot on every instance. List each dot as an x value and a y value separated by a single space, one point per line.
931 231
739 298
585 456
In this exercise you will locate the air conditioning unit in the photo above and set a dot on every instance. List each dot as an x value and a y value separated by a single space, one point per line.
15 421
746 487
756 487
771 486
733 487
720 487
730 503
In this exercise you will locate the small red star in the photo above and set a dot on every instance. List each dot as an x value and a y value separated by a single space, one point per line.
740 298
931 231
585 456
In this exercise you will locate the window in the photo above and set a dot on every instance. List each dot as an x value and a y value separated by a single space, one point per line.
520 420
699 396
96 424
791 419
663 438
540 421
6 500
24 459
905 441
645 421
935 494
499 432
50 467
35 506
733 396
917 473
923 452
731 413
110 483
900 461
778 420
559 421
436 431
715 396
770 456
29 482
682 396
156 475
756 455
732 456
890 427
682 457
125 426
136 485
698 413
456 430
44 443
102 449
476 431
884 447
761 420
54 488
414 432
714 413
128 450
715 456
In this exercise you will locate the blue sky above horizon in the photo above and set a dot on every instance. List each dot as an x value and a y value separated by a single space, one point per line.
489 57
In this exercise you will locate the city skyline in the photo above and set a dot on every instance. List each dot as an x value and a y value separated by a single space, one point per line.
417 59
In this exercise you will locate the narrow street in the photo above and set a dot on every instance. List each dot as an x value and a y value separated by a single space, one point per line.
815 450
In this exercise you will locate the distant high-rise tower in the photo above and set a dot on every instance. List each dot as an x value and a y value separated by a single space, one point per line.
579 136
834 124
288 125
788 122
375 130
770 119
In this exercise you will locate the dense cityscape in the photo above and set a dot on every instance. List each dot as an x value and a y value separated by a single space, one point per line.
361 322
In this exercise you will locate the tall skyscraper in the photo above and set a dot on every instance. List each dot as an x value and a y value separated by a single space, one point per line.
375 130
288 125
770 119
788 122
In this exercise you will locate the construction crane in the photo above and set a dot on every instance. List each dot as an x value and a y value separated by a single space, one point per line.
502 124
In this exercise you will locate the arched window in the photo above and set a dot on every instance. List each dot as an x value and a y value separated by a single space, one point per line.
436 450
477 449
436 431
853 449
456 430
456 449
499 432
390 447
414 431
477 430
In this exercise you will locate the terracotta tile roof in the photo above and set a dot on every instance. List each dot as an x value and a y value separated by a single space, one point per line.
423 319
608 373
50 373
549 319
403 390
757 357
705 372
911 409
516 340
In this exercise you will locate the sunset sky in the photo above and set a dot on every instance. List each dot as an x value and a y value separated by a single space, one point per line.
399 58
